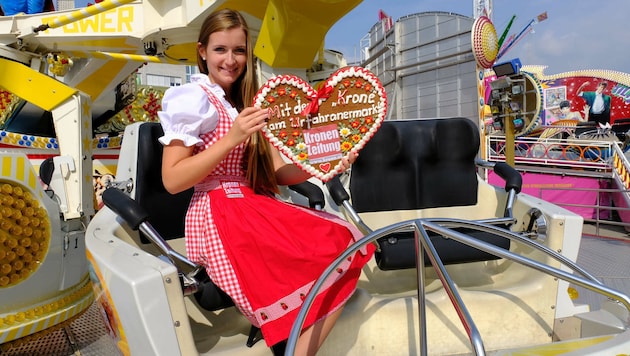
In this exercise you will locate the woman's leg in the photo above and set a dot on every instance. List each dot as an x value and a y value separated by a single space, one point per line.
313 337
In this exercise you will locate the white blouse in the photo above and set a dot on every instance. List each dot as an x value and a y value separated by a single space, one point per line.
187 113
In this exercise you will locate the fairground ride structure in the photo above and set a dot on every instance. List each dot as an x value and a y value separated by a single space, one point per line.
71 65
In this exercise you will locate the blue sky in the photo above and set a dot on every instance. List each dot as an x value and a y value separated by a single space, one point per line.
578 34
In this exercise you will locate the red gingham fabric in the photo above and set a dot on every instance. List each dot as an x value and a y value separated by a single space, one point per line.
203 243
264 253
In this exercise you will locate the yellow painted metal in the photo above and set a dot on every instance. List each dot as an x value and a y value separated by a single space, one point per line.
19 171
508 125
182 53
84 12
103 44
254 8
121 56
560 347
52 311
293 30
99 79
37 88
6 166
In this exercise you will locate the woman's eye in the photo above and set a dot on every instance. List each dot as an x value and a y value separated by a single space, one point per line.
219 49
240 51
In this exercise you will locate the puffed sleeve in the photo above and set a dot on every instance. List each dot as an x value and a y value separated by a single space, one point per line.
186 114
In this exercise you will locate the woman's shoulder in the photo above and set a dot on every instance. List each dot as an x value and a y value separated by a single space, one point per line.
186 113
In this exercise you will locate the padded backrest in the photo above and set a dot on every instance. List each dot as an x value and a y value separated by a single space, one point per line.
420 164
417 164
166 211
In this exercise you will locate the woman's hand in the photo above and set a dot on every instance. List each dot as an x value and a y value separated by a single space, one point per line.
348 160
246 123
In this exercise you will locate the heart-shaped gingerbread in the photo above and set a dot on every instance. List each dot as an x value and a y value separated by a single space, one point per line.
317 128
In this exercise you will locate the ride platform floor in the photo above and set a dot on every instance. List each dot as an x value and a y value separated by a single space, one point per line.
604 252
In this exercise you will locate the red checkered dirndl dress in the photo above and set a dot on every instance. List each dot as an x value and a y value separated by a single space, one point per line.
264 253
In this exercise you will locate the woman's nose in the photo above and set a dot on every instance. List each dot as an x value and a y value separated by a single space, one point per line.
231 58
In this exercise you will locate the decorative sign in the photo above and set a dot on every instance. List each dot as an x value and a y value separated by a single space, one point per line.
484 42
317 128
570 95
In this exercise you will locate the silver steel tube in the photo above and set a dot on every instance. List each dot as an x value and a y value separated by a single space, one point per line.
514 237
356 219
423 242
175 257
435 225
308 301
509 205
422 300
497 251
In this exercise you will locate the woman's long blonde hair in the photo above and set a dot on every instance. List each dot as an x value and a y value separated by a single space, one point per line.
259 169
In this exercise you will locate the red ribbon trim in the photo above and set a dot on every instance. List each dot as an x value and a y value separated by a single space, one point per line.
313 106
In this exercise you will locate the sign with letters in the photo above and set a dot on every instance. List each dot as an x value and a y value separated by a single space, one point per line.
317 128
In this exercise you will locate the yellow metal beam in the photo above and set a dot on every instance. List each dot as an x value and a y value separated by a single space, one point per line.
121 56
94 84
32 86
254 8
293 30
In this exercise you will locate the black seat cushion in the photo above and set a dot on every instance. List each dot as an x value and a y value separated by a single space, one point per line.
417 164
46 170
420 164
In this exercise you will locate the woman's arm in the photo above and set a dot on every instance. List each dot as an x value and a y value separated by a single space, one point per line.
182 170
287 173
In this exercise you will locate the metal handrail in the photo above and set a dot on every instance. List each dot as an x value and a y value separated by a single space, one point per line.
556 152
419 226
423 242
483 226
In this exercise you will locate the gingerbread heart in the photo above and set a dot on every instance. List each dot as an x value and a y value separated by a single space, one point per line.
317 128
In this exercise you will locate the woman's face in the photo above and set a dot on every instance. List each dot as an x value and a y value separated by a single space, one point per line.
225 56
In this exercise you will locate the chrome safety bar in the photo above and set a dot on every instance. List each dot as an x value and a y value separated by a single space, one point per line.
420 227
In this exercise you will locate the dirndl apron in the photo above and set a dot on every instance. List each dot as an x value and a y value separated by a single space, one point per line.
264 253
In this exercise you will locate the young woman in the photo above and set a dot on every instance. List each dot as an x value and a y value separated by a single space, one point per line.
264 253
